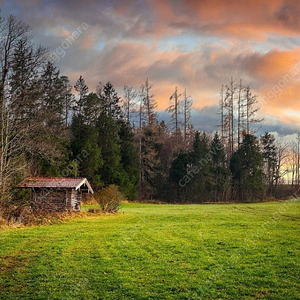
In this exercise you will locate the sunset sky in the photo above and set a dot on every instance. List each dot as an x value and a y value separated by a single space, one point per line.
195 45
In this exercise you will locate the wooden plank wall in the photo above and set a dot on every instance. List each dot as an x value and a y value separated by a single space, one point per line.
56 199
49 199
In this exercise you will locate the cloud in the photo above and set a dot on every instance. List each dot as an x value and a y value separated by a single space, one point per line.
192 44
251 19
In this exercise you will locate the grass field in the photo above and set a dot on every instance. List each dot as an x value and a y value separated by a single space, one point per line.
148 251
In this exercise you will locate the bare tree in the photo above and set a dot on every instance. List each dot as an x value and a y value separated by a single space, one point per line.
295 160
187 104
242 121
31 119
147 104
251 111
129 103
174 110
13 136
227 106
283 157
237 109
11 31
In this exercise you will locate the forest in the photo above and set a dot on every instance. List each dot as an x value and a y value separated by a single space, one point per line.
52 127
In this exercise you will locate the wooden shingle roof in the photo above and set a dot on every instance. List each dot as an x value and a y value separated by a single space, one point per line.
56 182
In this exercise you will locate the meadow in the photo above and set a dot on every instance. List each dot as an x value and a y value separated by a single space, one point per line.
150 251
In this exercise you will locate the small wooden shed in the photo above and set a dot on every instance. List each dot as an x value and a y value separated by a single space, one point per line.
56 194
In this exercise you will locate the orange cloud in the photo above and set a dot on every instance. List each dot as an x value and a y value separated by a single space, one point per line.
251 19
276 64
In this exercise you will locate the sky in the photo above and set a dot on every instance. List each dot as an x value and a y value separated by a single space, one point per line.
192 44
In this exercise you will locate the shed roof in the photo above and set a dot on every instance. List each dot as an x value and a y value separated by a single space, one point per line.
55 182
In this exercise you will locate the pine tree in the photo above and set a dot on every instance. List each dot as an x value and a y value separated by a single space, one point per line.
91 108
180 180
200 166
82 90
67 98
220 176
111 102
129 161
109 142
246 166
149 160
86 151
52 130
269 152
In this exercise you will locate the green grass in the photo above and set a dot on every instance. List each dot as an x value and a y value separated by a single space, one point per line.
148 251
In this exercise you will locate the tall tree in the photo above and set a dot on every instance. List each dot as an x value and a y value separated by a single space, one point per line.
149 160
174 110
200 166
86 151
187 104
129 161
147 104
241 113
52 124
82 90
111 102
20 65
251 111
12 31
219 171
148 140
33 140
246 165
230 104
269 153
67 98
282 153
129 103
180 182
237 109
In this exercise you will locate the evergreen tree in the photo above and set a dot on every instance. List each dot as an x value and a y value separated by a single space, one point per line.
22 102
246 165
109 141
149 160
52 130
52 88
219 169
180 179
86 151
269 152
82 90
200 166
129 161
111 102
91 108
68 98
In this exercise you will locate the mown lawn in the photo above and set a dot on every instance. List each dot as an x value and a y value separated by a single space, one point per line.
147 251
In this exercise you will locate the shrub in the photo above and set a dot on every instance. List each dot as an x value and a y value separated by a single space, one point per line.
109 199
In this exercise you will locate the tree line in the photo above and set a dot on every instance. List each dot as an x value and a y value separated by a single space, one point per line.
50 128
